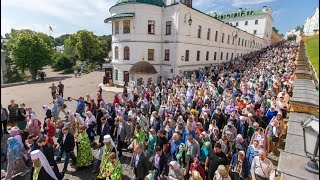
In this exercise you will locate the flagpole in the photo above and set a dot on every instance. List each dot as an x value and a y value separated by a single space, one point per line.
49 30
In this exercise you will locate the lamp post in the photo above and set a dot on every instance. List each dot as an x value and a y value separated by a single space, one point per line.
311 143
189 21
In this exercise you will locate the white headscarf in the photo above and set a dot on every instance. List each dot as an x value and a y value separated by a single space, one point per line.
80 119
70 113
46 107
107 138
44 162
175 165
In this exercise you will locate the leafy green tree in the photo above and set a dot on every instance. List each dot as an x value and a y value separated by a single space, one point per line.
292 37
275 29
62 62
58 41
30 50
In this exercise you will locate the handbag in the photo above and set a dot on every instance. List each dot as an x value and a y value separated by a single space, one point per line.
275 138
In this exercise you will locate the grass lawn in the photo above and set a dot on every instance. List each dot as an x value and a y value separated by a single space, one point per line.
312 46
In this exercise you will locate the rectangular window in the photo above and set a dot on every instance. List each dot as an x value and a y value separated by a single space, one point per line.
187 55
207 56
151 25
242 42
216 36
233 40
215 56
150 54
199 32
254 31
117 75
221 56
231 56
116 27
167 54
222 40
237 55
208 34
239 42
126 27
198 55
245 43
237 23
228 41
256 21
246 23
168 27
227 56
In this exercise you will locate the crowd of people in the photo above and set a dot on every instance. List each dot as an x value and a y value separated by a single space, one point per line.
220 123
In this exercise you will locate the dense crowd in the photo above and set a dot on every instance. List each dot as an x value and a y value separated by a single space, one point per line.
219 123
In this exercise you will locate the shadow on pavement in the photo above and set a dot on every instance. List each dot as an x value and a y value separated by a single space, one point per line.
50 79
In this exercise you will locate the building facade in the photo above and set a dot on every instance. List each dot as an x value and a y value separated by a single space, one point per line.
312 24
257 22
3 66
275 37
293 32
174 37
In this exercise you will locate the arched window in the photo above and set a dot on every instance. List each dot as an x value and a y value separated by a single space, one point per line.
126 53
116 52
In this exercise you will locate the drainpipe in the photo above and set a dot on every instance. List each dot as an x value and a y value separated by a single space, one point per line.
161 56
175 41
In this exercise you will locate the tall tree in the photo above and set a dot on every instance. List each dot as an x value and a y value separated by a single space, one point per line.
30 50
60 40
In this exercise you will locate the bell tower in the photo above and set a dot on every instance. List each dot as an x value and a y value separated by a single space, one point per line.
187 3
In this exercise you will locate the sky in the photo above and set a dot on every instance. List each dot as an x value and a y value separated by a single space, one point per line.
69 16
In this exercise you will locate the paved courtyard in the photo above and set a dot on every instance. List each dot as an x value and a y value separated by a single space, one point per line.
37 94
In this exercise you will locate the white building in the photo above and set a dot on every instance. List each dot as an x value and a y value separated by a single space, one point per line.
312 24
173 37
293 32
59 49
257 22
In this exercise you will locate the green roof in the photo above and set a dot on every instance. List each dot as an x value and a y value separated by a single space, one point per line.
152 2
240 13
121 15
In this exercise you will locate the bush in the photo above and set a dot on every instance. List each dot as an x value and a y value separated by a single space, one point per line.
68 71
16 76
63 62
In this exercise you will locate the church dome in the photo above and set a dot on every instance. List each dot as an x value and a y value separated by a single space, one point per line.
152 2
143 67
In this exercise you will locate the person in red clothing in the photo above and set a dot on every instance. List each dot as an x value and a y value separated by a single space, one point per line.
51 130
195 166
116 100
99 99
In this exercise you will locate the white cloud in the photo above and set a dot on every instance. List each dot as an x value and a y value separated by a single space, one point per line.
241 3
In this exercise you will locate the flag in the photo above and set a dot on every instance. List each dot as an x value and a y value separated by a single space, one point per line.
50 28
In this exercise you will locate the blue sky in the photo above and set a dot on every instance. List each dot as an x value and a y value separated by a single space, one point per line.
68 16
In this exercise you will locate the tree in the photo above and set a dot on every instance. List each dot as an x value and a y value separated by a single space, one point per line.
58 41
292 37
62 62
300 28
30 50
275 29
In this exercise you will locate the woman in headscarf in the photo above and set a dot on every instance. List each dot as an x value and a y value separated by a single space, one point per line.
222 173
104 153
16 164
84 152
174 171
51 130
181 156
239 144
239 166
253 151
205 151
41 168
72 122
152 142
195 166
114 168
15 132
48 115
262 138
34 125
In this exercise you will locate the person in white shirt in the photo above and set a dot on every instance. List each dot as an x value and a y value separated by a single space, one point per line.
261 167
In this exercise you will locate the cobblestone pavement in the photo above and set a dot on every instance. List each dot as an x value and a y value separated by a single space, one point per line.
37 94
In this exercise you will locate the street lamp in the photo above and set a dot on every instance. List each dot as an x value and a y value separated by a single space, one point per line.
311 143
190 20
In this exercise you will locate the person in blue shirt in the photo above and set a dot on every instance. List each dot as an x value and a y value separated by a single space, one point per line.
188 130
174 145
81 107
270 113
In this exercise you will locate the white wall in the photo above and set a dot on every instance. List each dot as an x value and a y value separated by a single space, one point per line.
183 37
